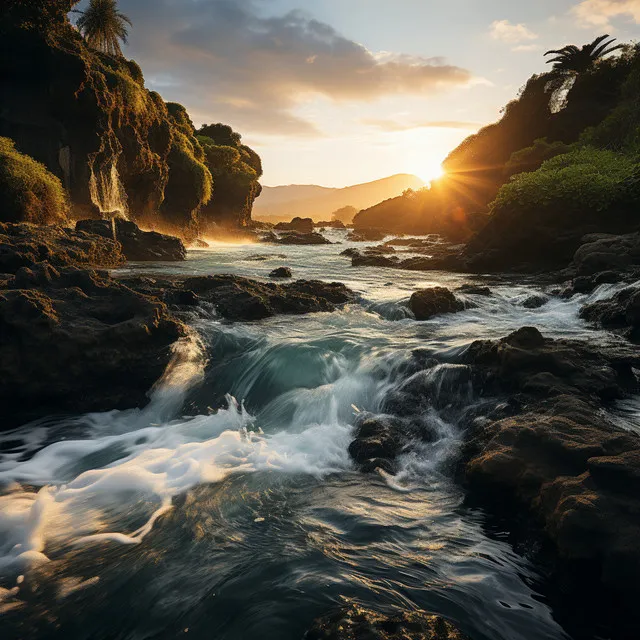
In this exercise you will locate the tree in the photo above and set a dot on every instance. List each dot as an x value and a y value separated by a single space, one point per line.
579 59
103 26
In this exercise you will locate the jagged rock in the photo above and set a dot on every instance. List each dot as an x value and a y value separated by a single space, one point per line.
376 438
22 245
281 272
238 298
136 244
586 284
373 260
427 303
475 289
301 225
357 623
621 312
300 238
75 340
366 235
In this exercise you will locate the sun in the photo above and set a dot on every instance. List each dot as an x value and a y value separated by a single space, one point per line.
431 172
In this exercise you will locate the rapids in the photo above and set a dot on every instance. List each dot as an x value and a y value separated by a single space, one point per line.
229 506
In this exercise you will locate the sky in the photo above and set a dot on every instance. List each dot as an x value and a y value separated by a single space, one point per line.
338 92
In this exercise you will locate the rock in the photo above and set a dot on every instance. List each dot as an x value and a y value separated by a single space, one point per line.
366 235
281 272
373 260
22 245
301 225
474 289
381 248
376 438
263 257
605 252
427 303
586 284
354 622
238 298
301 238
199 243
136 244
75 340
621 313
350 252
331 224
535 301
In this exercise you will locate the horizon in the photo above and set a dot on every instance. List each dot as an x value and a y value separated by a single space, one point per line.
306 84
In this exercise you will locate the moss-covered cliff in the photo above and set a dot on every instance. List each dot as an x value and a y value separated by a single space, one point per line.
89 119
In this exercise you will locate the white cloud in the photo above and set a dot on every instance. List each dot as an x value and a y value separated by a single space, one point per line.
523 48
511 33
598 13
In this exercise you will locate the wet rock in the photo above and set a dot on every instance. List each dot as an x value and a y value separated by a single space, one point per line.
136 244
621 313
301 225
376 438
605 252
301 238
281 272
22 245
350 252
535 301
427 303
381 248
331 224
263 257
474 289
75 340
366 235
354 622
586 284
373 260
238 298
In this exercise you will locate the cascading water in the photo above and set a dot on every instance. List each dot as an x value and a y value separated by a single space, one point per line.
107 191
229 507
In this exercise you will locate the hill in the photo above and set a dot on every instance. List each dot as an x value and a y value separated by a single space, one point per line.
312 201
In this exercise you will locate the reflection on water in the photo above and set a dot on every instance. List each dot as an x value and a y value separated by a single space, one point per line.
229 507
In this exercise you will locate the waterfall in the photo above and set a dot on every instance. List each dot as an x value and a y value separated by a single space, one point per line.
107 192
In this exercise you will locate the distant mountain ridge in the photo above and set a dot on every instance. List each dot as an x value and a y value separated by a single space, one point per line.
313 201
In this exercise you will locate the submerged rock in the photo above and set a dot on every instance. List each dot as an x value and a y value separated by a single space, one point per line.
299 238
373 260
367 235
535 301
357 623
136 244
281 272
75 340
475 289
427 303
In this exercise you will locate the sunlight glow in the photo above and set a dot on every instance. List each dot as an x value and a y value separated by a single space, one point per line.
431 172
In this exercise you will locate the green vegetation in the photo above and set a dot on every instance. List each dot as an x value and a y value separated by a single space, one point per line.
531 158
579 59
103 26
28 191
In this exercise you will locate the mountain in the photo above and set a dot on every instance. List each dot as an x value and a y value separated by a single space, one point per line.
312 201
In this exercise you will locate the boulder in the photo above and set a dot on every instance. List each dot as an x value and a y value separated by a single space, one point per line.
620 313
136 244
281 272
605 252
376 438
300 238
331 224
427 303
373 260
366 235
75 340
350 252
535 301
301 225
474 289
354 622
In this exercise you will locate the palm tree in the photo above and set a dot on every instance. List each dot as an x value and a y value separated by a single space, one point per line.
103 26
572 58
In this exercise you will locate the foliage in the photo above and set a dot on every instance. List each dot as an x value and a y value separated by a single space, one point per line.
35 14
578 59
584 182
28 191
344 214
531 158
103 26
221 134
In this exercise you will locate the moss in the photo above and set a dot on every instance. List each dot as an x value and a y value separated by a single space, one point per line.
28 191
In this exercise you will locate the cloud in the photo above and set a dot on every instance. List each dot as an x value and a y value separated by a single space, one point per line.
393 125
227 60
522 48
598 13
511 33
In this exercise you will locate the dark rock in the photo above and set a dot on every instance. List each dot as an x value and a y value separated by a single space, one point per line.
373 260
136 244
535 301
281 272
301 225
376 437
331 224
381 248
75 340
621 312
238 298
427 303
350 252
474 289
22 245
366 235
604 252
301 238
357 623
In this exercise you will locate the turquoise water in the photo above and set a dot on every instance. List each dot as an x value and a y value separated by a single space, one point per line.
229 506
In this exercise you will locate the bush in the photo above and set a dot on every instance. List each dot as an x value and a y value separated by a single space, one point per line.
28 191
531 158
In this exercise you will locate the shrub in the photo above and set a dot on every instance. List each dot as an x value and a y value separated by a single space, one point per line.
28 191
531 158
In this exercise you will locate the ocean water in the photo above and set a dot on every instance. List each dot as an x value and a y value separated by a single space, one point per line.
229 508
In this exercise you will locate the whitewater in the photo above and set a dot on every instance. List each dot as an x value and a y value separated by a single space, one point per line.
229 506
